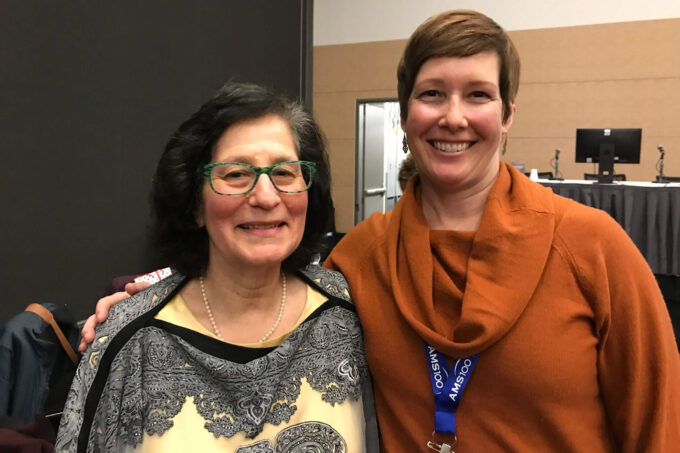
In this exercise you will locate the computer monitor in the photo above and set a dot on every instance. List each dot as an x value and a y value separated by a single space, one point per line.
607 147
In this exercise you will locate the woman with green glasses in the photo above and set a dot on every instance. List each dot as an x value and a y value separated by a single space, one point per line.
240 350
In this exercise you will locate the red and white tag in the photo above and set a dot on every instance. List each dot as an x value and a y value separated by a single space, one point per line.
155 276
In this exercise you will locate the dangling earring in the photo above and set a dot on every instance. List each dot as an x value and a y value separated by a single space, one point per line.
404 145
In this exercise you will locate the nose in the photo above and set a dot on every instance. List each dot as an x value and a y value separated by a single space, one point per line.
453 115
264 194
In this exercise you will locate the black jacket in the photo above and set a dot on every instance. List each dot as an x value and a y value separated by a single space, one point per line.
35 372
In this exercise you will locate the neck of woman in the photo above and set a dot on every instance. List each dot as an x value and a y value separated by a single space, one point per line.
454 208
235 292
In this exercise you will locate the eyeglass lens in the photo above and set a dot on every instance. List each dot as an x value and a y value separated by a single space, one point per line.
235 178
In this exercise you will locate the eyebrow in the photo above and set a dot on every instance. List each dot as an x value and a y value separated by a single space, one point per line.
485 83
248 159
438 81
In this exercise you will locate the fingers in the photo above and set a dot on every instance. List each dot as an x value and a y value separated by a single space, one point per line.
105 303
102 311
87 333
135 287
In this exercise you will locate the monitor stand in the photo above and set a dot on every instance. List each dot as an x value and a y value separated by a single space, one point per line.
605 168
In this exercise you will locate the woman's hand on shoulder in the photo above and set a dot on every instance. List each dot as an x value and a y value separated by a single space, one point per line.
102 311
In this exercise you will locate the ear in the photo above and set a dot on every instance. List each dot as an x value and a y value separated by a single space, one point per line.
508 122
402 123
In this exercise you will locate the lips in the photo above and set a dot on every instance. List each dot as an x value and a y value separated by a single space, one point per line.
263 226
451 147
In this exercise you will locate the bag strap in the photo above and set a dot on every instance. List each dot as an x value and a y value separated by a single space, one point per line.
46 315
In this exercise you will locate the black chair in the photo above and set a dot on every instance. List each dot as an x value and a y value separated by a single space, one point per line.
593 177
328 241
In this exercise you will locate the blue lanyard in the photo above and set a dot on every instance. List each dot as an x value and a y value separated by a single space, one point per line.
448 386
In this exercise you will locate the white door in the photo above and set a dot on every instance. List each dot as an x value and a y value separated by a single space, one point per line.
378 157
371 188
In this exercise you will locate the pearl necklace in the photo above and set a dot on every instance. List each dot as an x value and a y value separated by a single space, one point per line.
278 318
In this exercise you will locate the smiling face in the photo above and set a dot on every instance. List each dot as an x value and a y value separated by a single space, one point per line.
455 122
265 226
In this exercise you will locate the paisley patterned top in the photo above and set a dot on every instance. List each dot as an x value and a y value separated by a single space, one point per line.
140 371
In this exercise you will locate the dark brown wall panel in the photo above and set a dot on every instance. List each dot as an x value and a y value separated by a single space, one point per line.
89 93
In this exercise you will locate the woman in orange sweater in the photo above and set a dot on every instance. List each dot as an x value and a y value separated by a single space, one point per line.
498 316
552 315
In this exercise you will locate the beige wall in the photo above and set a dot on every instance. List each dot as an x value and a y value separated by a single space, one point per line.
611 75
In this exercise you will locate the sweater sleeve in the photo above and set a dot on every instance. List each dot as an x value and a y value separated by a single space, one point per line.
638 363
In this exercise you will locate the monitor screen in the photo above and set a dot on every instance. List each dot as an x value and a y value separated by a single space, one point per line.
625 144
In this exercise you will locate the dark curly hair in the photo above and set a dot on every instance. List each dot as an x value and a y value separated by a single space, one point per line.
177 184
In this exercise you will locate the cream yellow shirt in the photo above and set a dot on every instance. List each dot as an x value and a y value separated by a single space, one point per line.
188 433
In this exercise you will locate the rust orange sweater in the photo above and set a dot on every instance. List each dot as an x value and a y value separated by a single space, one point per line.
576 347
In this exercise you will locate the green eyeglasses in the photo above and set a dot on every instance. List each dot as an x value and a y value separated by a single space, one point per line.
235 178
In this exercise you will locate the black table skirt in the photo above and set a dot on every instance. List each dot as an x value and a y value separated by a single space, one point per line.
650 216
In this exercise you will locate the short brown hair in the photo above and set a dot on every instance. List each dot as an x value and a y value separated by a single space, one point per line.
458 33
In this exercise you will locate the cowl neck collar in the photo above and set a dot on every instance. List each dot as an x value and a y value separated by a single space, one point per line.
506 261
